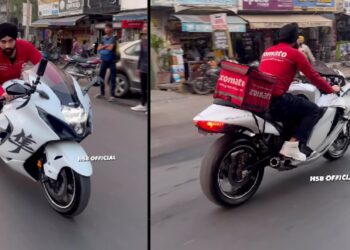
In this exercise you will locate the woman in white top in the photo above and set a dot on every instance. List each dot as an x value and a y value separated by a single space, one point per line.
303 48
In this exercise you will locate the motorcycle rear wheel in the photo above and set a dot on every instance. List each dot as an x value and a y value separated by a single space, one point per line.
221 180
69 194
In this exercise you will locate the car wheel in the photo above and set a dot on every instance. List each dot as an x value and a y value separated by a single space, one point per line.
122 88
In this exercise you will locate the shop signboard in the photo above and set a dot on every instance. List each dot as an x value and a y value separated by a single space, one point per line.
206 27
314 5
346 5
268 5
165 3
218 21
229 3
47 8
132 24
220 40
71 7
101 6
27 18
343 51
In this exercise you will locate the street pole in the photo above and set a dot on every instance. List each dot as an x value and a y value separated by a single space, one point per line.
230 47
28 20
8 10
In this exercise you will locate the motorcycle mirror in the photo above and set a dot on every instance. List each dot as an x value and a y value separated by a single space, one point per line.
42 67
16 89
43 94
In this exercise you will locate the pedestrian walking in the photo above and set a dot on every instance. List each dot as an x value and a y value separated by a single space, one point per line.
76 47
85 49
108 53
143 71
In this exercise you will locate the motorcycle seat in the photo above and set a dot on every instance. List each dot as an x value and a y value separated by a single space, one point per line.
94 61
91 60
264 115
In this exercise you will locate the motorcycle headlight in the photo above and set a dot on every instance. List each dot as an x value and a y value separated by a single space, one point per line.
76 118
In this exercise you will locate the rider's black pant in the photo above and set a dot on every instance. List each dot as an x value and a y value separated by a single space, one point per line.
290 109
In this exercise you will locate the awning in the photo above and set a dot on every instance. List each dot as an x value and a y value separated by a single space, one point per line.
277 21
63 21
101 26
131 16
66 21
41 23
200 23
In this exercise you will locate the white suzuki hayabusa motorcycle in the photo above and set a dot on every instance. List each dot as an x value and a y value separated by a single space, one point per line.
40 132
233 167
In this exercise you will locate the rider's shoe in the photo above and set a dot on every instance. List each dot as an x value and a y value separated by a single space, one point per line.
291 150
306 150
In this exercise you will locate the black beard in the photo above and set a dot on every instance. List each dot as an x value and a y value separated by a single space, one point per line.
8 52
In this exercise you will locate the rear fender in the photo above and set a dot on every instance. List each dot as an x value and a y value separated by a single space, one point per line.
235 117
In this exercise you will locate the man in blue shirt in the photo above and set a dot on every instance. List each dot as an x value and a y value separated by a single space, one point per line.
107 51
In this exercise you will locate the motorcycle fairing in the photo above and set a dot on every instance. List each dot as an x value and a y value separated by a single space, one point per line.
322 128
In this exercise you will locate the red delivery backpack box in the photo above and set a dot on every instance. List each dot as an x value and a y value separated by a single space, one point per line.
245 87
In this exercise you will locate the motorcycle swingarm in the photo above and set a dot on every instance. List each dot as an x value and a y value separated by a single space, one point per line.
259 164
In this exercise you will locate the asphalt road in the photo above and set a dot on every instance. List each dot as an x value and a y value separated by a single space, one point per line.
115 218
288 211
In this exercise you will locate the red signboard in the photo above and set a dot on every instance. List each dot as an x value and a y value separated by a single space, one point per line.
132 24
218 21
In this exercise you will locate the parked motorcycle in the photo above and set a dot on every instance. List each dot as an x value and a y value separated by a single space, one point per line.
206 82
53 56
40 132
233 167
80 67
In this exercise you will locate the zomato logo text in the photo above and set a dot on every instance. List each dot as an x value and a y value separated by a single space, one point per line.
235 81
262 95
275 53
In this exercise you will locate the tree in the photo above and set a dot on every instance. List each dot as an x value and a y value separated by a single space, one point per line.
16 7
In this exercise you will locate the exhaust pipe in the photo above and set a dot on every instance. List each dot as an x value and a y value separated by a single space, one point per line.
275 162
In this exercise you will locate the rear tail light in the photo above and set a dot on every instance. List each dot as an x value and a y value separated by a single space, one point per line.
210 126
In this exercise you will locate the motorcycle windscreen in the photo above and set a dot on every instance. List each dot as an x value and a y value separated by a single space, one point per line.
61 83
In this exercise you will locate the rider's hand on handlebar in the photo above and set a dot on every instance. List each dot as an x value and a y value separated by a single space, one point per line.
336 89
7 97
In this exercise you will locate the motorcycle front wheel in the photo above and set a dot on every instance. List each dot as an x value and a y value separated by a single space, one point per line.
69 194
201 86
339 146
223 177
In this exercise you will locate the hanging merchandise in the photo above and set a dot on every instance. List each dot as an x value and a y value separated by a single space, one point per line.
177 67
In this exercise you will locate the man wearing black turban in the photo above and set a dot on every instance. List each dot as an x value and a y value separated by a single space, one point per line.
14 54
283 60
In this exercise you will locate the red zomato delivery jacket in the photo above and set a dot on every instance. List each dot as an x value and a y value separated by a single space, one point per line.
26 52
283 61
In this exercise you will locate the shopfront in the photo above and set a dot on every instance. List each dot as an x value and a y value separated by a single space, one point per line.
195 36
194 32
317 30
60 31
343 33
131 23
